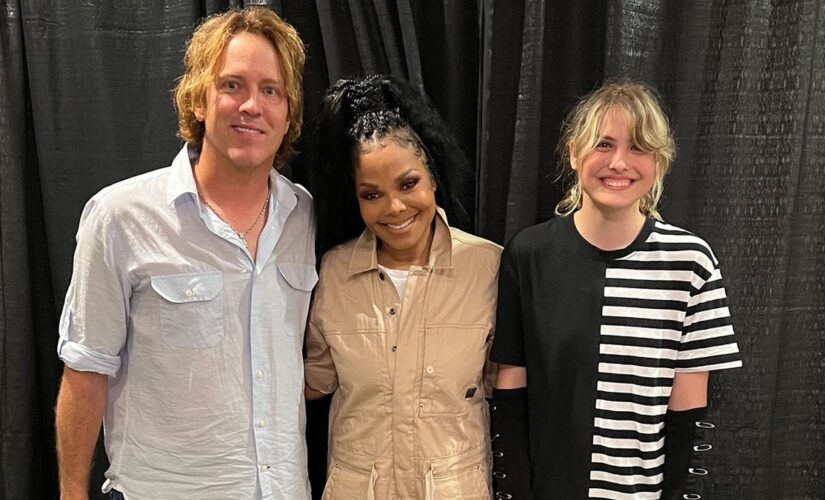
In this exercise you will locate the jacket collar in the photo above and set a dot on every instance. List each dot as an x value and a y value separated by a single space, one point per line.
365 251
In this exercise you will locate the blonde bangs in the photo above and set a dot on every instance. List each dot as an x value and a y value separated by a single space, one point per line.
649 131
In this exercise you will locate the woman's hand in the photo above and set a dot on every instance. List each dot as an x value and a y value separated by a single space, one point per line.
311 394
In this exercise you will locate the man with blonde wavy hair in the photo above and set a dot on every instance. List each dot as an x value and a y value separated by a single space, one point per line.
183 324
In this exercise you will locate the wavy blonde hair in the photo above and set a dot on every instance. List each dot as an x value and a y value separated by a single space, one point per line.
203 53
649 131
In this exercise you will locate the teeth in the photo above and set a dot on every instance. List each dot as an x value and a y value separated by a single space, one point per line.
247 130
402 225
617 182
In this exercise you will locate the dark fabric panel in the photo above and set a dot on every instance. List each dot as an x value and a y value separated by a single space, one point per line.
359 40
317 442
757 196
405 27
28 372
19 439
534 74
501 24
448 36
100 81
303 16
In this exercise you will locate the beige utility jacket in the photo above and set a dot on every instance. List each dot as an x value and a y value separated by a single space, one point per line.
408 418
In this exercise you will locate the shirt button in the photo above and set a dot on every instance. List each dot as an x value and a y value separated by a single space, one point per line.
264 468
259 374
392 311
188 293
430 370
394 348
261 423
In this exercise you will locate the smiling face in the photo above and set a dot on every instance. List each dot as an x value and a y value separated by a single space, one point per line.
245 113
396 196
616 174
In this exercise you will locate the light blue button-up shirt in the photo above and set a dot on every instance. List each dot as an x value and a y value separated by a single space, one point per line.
201 343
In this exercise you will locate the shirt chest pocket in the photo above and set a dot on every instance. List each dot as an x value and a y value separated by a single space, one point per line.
298 281
191 309
453 368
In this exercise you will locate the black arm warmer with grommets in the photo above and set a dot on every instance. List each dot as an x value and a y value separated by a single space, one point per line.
511 450
684 444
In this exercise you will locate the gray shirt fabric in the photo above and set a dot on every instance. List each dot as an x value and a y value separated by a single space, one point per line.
201 343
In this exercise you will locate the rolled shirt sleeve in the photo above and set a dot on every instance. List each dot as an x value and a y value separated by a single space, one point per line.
93 323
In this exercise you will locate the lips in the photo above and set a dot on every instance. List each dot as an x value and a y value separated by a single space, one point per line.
617 183
247 130
400 226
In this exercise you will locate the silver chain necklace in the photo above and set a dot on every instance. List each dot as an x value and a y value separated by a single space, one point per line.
241 234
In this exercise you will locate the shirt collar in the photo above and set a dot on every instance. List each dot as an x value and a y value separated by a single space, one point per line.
182 180
365 256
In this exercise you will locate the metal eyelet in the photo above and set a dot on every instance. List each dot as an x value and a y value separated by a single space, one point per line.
495 436
499 475
698 471
703 447
705 425
493 407
503 495
692 496
498 454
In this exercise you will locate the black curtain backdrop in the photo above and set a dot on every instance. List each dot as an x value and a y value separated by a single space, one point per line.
85 100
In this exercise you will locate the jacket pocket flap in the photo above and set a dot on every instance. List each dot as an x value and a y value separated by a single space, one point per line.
299 276
188 287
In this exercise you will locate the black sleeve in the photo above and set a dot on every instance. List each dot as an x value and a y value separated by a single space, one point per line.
511 444
508 344
686 440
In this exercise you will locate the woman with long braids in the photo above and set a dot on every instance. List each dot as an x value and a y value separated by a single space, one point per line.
402 318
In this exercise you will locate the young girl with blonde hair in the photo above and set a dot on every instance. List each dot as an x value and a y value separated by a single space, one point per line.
608 322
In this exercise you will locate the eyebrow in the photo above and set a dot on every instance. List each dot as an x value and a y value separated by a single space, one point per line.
404 175
237 76
398 179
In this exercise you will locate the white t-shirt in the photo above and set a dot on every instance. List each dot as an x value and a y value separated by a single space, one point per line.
399 279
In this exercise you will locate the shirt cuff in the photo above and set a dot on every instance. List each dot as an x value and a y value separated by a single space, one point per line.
81 358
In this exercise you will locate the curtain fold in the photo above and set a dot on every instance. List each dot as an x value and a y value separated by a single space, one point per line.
20 438
539 58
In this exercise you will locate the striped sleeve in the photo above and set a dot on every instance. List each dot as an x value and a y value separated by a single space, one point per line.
708 341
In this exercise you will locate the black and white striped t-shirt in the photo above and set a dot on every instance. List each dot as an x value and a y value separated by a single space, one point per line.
602 334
